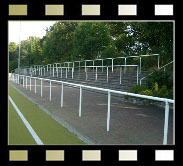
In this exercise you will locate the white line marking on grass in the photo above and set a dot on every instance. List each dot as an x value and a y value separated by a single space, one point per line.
32 132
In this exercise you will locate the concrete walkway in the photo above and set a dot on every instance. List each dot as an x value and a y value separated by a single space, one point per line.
129 124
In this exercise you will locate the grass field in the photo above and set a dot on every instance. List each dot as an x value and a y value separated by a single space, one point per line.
48 130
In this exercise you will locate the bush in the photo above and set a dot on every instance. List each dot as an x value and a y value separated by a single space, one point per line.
137 88
161 78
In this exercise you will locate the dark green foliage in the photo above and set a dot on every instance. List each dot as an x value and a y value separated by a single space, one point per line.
69 41
159 84
161 77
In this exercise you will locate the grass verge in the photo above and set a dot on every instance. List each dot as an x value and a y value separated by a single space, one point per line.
48 130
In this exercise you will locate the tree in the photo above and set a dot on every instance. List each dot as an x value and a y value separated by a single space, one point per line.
90 39
58 43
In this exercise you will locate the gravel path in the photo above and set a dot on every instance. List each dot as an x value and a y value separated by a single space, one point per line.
129 123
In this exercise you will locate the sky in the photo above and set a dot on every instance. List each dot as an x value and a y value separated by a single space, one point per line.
28 28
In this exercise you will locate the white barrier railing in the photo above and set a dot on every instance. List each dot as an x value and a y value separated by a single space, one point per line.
109 91
38 67
95 68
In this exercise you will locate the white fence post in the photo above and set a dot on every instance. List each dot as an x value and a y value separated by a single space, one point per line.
86 75
61 72
112 64
23 81
102 65
57 72
72 73
26 81
66 74
120 75
96 74
62 95
93 65
41 87
44 71
125 66
107 74
108 110
30 83
137 75
53 71
80 101
166 123
50 90
18 79
85 66
35 85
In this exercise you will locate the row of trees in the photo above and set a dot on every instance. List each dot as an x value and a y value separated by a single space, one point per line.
70 41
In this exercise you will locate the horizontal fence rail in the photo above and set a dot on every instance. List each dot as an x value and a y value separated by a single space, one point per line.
14 77
37 67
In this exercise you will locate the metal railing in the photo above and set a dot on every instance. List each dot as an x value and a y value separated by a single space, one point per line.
163 67
102 60
95 69
16 78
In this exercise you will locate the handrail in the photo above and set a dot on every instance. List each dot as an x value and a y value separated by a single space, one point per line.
124 57
155 71
109 91
106 90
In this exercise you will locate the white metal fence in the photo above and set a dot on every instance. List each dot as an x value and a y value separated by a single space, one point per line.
54 71
16 78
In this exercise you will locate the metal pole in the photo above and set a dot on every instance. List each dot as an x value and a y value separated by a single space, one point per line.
35 85
62 95
108 110
44 71
66 74
23 81
96 74
158 60
53 70
68 66
41 87
93 65
79 65
26 81
61 72
125 66
18 79
72 73
120 77
80 101
86 74
57 72
50 90
102 65
112 64
30 83
85 66
137 75
166 123
107 74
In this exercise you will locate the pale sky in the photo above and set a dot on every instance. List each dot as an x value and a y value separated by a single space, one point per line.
28 28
